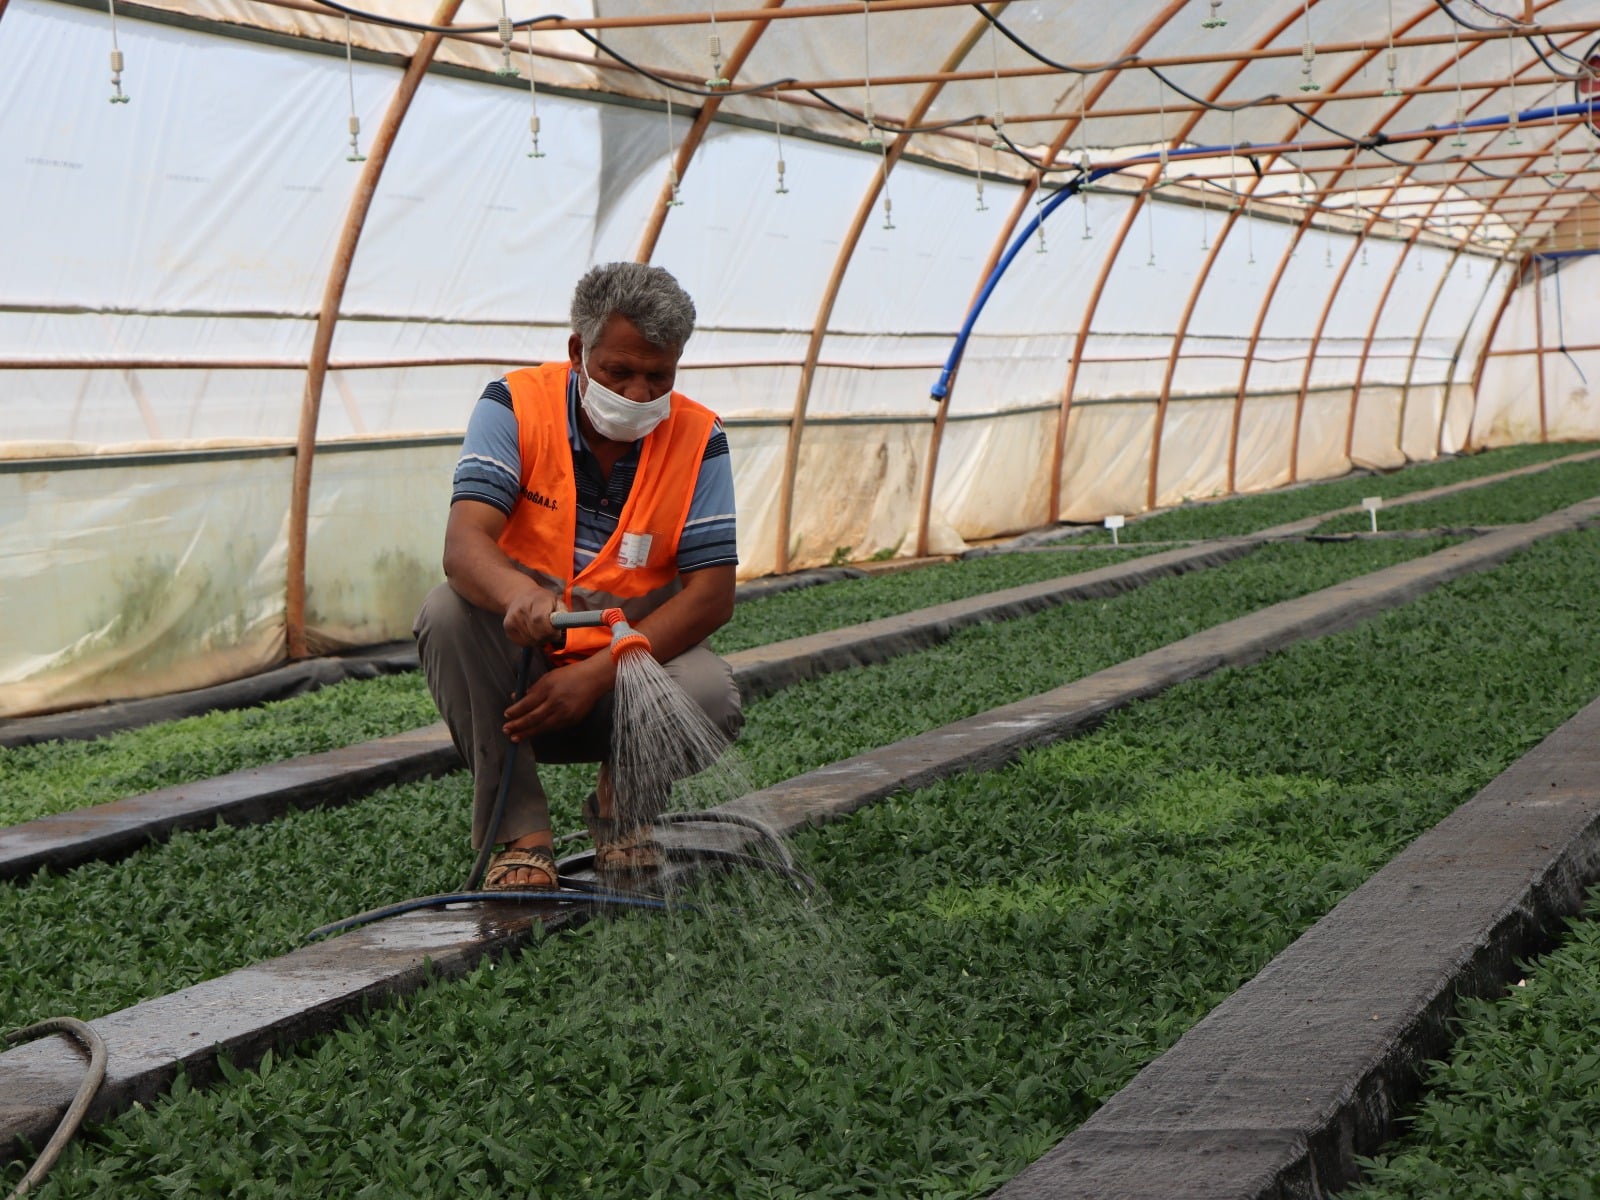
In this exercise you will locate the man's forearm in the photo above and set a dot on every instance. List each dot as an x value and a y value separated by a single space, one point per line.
482 575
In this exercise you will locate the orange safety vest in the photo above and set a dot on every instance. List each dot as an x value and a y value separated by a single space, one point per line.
637 569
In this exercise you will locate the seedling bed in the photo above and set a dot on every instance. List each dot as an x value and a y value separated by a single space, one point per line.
1001 952
214 901
1511 1111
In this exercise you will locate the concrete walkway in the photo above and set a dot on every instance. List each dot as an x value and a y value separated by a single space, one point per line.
1283 1084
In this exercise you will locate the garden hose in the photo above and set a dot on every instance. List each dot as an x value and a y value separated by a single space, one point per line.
624 639
565 896
73 1117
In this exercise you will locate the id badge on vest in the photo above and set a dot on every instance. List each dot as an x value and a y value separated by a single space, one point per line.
634 551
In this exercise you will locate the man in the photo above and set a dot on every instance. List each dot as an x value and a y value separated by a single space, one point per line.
581 485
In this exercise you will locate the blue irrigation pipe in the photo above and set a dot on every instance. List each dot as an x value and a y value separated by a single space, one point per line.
941 389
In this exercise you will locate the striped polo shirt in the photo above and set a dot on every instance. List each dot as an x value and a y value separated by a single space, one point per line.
490 471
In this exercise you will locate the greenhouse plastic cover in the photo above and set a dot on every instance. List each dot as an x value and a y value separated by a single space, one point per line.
170 256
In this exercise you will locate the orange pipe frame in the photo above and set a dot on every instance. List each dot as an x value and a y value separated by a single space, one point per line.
1338 282
1538 342
1377 316
692 139
1461 341
1153 27
791 458
1519 351
1271 291
332 296
1194 292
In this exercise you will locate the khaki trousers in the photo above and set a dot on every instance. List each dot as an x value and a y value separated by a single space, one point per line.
471 669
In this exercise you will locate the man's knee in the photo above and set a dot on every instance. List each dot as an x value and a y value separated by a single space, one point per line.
709 682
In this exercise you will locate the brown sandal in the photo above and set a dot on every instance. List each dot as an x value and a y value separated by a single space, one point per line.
618 851
521 858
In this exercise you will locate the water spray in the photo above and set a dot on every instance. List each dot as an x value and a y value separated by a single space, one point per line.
631 645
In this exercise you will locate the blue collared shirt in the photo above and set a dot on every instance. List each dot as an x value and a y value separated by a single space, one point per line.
490 470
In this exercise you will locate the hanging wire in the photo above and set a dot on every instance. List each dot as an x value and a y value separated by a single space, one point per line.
507 32
999 119
1460 140
672 166
1161 111
1561 325
1038 208
1150 230
1084 166
872 139
1511 80
118 96
355 154
1556 176
1391 59
533 101
717 82
777 132
1308 54
888 204
977 165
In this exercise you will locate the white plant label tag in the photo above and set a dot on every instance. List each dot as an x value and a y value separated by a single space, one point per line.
635 550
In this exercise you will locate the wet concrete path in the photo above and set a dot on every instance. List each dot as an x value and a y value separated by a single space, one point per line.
311 990
1282 1085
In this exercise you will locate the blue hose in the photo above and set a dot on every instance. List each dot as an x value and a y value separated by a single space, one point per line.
941 389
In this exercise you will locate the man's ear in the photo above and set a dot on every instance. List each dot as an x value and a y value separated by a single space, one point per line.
575 350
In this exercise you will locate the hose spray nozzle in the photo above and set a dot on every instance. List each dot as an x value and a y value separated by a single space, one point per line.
624 637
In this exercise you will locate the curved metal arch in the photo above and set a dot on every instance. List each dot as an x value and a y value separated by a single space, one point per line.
1181 332
1394 274
328 317
1024 198
1115 251
847 246
691 140
1296 238
1283 263
1349 259
1438 290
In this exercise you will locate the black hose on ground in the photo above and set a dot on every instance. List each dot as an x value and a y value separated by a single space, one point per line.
563 897
73 1117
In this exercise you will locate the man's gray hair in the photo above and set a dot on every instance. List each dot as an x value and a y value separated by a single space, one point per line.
648 296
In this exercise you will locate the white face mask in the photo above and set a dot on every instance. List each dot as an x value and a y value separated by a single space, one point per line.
615 416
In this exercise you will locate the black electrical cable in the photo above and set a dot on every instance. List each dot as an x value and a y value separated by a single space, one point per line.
1561 325
528 22
1514 25
1050 62
887 127
1445 8
1212 104
1373 142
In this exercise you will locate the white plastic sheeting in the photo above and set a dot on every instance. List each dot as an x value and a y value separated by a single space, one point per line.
169 259
1525 395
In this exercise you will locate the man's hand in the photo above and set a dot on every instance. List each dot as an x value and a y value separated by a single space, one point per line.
558 699
527 620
